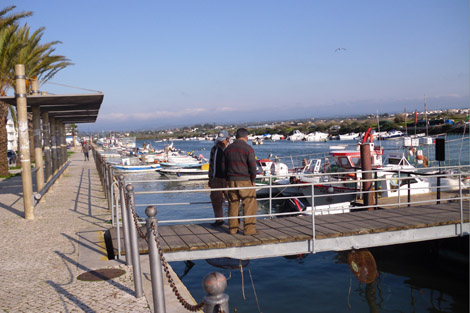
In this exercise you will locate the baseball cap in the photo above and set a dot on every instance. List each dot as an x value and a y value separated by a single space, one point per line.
223 134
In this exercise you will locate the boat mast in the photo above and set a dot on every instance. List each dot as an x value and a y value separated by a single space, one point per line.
406 126
426 114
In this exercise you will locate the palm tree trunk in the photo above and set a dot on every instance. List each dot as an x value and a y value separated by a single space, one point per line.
3 139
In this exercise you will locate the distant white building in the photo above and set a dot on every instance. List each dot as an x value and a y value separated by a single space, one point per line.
12 135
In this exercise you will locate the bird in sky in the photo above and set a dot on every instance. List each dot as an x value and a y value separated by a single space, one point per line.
339 49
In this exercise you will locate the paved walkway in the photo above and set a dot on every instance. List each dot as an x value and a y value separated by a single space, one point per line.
40 259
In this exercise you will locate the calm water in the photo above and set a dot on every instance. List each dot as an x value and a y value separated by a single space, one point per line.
409 279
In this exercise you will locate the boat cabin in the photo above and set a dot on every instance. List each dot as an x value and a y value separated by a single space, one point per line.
351 159
267 167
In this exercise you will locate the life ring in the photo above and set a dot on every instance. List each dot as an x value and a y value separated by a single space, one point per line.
412 151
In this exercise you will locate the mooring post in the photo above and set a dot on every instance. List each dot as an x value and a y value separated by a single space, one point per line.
23 136
155 262
366 167
134 243
125 220
216 300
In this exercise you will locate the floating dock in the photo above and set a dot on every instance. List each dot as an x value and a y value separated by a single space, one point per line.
294 234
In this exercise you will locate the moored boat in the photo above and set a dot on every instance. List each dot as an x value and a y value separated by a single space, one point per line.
200 173
349 136
316 136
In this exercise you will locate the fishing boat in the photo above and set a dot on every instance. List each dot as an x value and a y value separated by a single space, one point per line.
200 173
134 165
298 184
351 159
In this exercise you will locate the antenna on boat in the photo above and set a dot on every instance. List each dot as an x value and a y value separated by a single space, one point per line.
426 114
378 127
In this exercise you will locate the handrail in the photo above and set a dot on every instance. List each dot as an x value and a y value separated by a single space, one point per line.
38 196
318 180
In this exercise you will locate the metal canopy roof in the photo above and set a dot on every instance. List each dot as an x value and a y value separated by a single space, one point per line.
79 108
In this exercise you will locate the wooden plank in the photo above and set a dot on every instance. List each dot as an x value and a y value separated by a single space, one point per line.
294 225
198 229
175 243
166 231
191 240
194 242
326 232
204 235
235 240
408 222
375 225
181 230
269 227
340 228
283 226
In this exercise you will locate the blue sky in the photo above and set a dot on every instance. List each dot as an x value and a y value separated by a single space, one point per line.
184 62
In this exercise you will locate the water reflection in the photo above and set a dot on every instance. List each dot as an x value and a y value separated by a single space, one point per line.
362 265
408 278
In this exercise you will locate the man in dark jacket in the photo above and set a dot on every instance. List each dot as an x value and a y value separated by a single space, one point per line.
240 169
217 175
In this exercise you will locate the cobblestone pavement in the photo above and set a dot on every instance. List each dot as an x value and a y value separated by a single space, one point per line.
39 258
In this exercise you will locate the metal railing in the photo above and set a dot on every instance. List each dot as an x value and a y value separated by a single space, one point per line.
121 196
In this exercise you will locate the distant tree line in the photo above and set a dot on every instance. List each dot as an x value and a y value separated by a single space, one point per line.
436 125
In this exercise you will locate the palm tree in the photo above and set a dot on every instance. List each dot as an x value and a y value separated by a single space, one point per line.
39 63
13 18
8 26
19 46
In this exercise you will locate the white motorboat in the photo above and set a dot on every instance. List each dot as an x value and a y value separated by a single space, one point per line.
392 135
297 135
276 137
349 136
316 136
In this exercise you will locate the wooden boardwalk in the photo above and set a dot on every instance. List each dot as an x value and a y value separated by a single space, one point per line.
292 235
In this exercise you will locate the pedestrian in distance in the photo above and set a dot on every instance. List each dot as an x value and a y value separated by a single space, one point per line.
86 150
240 169
217 178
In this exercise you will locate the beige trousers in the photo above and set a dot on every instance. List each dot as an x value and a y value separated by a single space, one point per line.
248 199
